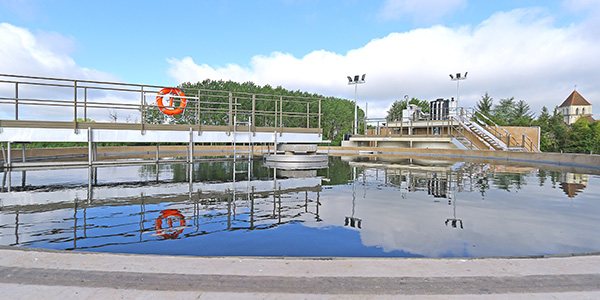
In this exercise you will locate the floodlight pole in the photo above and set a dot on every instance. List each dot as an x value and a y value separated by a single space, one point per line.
458 78
355 81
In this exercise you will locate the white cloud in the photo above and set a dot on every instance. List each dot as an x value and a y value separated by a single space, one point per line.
44 54
520 53
419 10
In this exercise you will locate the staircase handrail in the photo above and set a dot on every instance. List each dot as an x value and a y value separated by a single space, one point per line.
510 137
461 122
471 144
495 129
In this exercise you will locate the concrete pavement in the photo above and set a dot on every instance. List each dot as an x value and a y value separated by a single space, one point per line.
34 274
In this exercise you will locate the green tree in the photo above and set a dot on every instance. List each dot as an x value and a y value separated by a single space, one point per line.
554 132
583 136
395 111
504 112
522 114
484 105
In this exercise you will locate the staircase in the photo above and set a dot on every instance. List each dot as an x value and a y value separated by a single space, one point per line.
492 136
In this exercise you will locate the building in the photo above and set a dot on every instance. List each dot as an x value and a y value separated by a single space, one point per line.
575 107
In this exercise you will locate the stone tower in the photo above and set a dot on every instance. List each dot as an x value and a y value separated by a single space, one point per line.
575 107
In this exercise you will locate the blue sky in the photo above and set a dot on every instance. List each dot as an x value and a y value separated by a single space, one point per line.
406 47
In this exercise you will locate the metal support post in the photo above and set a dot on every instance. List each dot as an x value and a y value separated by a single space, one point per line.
142 107
355 109
16 101
253 113
280 116
198 115
319 117
307 115
85 103
90 150
75 104
157 152
191 154
23 152
8 156
230 110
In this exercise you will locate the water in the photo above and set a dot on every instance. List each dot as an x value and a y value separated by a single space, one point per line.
355 207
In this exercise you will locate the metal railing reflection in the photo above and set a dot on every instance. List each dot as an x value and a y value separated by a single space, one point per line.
199 208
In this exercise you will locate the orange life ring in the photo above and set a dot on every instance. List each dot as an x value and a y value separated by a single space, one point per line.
171 111
169 232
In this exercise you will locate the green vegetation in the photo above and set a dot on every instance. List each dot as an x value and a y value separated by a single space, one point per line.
395 112
581 137
337 118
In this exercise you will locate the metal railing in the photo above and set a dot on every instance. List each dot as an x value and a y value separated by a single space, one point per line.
86 99
452 125
511 140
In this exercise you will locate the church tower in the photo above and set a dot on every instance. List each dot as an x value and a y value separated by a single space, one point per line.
574 107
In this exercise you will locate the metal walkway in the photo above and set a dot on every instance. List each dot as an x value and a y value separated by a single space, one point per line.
42 109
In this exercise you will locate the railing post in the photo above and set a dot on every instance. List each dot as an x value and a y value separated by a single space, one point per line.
275 125
319 117
75 104
16 101
230 109
142 107
85 103
307 114
191 147
280 115
198 110
253 121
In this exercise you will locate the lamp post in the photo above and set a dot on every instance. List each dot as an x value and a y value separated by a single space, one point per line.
356 80
458 78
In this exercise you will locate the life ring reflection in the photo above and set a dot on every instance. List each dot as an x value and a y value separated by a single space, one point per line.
169 232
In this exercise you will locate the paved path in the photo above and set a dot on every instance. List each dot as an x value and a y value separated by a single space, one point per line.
38 274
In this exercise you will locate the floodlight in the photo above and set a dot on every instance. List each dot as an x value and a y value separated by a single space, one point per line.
357 79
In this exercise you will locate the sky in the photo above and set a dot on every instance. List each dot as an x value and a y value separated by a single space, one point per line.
536 51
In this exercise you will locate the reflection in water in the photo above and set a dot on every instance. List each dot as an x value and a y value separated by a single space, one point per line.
226 207
169 232
351 220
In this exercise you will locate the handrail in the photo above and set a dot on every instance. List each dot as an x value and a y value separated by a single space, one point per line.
215 107
459 132
511 140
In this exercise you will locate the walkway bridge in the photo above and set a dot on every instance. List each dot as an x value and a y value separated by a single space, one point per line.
42 109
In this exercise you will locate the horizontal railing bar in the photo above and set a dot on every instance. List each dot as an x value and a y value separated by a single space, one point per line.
66 102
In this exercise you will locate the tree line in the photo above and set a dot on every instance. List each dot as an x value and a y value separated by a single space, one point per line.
582 136
337 113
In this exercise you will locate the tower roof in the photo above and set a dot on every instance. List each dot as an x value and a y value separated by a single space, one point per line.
575 99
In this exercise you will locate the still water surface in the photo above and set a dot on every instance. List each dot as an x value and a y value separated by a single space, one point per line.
355 207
